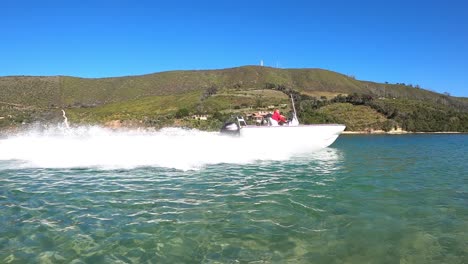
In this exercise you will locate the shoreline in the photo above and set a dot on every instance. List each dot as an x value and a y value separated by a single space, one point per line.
15 130
397 133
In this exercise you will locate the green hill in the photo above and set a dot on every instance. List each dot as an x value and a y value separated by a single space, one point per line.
148 99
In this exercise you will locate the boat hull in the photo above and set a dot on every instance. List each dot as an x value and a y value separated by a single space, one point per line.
304 137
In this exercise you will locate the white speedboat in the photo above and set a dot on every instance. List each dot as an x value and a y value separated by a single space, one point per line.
306 137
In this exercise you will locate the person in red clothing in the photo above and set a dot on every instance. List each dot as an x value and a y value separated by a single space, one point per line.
278 117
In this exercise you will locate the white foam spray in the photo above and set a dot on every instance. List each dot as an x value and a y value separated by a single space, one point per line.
79 147
65 119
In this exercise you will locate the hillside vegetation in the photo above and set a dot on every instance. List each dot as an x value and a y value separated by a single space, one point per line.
168 98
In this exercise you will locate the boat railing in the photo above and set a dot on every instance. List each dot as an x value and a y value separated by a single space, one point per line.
241 121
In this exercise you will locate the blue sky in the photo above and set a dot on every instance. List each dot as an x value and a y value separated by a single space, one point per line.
422 43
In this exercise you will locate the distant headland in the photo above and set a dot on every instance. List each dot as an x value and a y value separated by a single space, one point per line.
204 99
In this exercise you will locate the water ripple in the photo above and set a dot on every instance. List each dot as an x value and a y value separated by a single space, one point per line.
350 205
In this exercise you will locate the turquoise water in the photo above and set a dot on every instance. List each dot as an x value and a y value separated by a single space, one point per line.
366 199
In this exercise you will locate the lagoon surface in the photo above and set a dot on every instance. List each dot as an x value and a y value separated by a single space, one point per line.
190 197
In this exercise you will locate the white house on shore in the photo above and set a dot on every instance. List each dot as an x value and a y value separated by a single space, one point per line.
200 117
258 116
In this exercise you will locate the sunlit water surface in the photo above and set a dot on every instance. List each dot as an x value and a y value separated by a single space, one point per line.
178 196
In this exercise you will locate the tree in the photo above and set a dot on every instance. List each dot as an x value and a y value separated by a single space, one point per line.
388 125
212 90
181 113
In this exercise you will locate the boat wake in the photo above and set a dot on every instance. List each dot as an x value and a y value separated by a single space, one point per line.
83 147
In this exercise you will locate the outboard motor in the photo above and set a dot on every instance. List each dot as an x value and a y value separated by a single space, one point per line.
230 128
